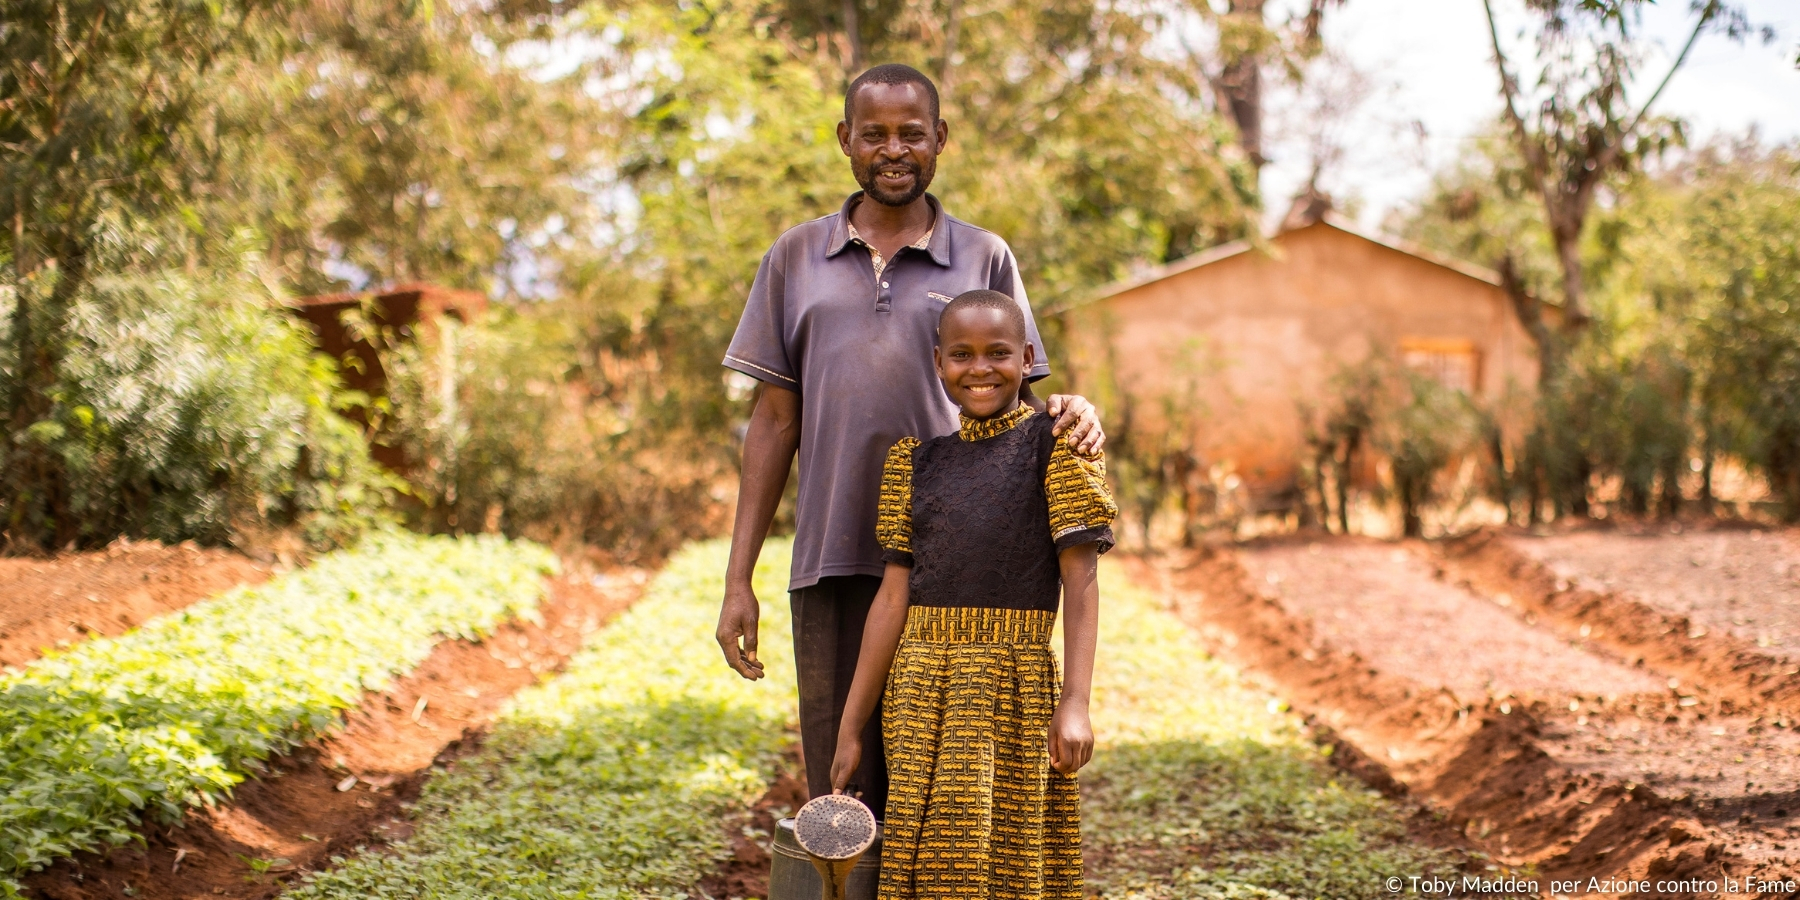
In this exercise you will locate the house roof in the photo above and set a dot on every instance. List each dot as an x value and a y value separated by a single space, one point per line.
1329 220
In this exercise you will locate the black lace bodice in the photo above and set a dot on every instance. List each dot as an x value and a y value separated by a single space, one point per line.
980 520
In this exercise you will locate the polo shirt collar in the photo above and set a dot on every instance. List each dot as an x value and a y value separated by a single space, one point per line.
939 248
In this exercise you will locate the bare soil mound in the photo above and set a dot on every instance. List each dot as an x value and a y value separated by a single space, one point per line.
351 789
1540 745
1718 610
1377 600
1742 581
45 603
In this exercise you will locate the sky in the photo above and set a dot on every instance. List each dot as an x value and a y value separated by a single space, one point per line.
1428 81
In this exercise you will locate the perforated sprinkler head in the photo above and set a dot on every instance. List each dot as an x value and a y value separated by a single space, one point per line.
835 830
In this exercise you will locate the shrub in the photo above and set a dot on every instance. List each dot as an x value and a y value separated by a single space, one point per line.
186 406
515 424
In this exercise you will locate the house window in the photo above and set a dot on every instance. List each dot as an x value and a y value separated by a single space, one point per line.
1451 362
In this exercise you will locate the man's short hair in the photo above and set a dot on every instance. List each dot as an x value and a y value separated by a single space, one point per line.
985 299
892 73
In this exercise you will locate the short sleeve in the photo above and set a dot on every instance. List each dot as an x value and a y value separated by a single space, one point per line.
1005 279
759 346
893 522
1081 505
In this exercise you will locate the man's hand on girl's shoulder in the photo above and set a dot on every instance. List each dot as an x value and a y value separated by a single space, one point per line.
1077 421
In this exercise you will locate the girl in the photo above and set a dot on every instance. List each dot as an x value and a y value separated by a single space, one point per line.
982 530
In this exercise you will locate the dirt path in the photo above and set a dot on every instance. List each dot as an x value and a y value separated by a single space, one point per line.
350 789
68 598
1541 745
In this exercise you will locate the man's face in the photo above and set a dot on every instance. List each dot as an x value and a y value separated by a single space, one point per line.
892 142
982 360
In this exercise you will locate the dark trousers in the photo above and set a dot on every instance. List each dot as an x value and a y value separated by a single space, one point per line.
828 622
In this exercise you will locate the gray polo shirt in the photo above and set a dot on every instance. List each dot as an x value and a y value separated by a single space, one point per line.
858 352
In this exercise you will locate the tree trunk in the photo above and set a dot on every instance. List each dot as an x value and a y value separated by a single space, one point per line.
853 37
952 24
1565 230
1240 87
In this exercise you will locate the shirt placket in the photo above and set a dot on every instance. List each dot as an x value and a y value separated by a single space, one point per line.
884 292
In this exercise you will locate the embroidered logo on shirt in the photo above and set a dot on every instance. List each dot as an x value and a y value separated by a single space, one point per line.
941 298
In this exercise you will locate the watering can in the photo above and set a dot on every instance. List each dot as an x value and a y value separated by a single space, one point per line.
830 849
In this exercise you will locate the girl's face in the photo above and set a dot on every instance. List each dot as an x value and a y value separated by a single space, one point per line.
982 360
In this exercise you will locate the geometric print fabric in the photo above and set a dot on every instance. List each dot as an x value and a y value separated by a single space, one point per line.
974 809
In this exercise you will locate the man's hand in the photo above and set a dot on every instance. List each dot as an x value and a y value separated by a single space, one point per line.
843 765
737 620
1075 415
1071 738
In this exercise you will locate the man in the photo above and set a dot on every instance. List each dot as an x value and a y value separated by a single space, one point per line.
839 328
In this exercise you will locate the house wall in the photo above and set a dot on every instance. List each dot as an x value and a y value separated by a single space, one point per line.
1253 338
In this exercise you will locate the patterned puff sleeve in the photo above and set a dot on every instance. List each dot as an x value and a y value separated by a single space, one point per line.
893 522
1081 505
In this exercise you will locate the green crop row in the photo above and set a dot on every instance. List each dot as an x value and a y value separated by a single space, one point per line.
613 780
170 715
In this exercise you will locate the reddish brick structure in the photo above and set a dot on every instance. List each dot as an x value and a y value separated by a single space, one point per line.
397 315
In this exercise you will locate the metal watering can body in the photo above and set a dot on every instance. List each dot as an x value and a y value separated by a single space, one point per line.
847 864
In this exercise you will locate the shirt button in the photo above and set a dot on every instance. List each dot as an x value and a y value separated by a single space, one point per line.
884 284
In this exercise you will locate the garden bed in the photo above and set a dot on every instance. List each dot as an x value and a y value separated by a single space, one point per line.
1568 764
68 598
116 732
293 817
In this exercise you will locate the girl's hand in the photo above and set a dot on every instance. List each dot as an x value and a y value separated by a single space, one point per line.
843 766
1071 738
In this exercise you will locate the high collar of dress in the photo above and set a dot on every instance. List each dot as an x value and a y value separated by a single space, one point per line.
982 429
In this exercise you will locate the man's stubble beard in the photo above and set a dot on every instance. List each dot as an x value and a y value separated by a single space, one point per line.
871 189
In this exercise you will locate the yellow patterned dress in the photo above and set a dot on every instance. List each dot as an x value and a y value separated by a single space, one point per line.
974 809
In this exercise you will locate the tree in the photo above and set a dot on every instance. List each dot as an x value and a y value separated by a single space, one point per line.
97 102
1584 129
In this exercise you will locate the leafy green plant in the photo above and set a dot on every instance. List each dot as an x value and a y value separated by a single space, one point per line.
171 715
609 781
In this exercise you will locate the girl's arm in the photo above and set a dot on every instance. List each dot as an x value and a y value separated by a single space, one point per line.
1071 735
881 637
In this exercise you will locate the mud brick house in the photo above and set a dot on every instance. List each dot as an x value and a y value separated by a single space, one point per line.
1252 339
401 314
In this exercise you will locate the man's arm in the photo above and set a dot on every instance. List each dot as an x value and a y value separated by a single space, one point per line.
769 448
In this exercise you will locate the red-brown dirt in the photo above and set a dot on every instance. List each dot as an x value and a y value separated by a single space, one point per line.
1541 748
45 603
351 788
1718 609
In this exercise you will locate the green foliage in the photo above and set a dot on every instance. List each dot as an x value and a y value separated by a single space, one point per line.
1693 351
611 780
503 435
173 714
190 407
1203 787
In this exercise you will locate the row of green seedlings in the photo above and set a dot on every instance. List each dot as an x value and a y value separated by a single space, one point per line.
95 739
617 779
